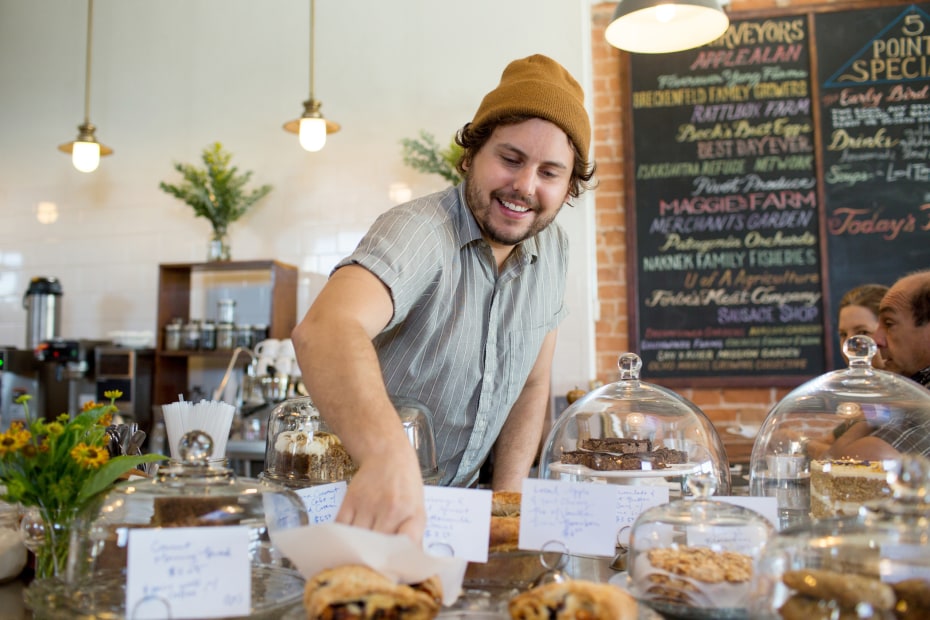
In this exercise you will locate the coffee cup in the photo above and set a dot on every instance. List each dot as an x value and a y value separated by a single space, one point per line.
286 349
285 365
270 348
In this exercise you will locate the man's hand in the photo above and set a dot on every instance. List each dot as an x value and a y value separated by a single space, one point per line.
386 495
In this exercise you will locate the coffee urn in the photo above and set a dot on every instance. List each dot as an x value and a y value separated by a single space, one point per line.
42 302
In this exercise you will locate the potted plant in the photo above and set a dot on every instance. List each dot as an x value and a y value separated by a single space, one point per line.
426 155
216 192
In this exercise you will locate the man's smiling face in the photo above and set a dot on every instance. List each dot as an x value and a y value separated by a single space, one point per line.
518 181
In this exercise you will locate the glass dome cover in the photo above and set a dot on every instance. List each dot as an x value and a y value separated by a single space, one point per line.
302 451
696 557
873 565
634 432
825 448
197 491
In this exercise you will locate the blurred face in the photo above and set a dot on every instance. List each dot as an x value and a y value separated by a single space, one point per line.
904 345
856 321
518 181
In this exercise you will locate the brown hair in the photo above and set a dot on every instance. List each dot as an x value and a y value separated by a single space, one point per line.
868 296
471 138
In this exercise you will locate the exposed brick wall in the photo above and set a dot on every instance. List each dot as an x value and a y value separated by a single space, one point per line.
612 334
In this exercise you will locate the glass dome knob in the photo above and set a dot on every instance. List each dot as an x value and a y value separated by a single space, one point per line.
702 486
860 350
630 365
195 447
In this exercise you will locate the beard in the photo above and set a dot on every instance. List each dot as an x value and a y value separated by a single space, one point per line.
479 203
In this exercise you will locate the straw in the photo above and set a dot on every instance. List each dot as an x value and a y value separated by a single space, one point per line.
212 417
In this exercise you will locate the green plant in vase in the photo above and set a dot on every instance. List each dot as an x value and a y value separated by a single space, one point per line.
425 155
216 192
54 469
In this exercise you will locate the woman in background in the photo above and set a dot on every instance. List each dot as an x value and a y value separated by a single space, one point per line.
858 315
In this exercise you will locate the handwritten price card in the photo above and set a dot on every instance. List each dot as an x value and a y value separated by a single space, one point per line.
457 521
580 515
322 502
188 572
632 500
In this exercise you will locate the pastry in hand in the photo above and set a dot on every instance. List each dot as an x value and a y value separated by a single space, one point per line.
357 592
574 599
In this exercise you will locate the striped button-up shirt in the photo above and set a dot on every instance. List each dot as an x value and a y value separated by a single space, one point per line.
463 337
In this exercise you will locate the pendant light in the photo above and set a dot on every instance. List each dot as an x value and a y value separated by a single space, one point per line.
311 127
661 26
85 150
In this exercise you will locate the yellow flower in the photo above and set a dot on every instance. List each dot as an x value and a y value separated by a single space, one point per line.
89 405
13 440
113 394
89 456
54 429
105 419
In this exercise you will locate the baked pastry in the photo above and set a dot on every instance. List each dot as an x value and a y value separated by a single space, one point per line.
357 592
913 599
847 589
505 521
574 599
622 454
840 487
800 607
317 456
694 576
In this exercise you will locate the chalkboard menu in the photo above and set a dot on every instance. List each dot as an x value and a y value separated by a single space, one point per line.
874 93
726 230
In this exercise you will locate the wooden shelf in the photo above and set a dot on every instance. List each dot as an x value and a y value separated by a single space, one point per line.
174 301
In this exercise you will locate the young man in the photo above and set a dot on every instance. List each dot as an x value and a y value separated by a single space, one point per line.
454 299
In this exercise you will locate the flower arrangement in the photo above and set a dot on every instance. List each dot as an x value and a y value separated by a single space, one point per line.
57 468
216 192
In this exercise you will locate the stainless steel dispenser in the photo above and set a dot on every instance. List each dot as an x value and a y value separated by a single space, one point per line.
42 302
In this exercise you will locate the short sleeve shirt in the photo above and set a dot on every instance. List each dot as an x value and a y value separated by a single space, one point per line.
463 337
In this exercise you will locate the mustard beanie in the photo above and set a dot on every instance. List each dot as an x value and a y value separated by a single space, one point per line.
541 87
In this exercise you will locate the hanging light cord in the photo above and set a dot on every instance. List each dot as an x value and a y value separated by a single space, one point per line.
312 43
90 33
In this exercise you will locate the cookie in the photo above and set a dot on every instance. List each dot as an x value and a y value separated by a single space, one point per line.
846 589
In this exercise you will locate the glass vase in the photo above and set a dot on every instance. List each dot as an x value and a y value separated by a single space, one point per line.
218 249
48 536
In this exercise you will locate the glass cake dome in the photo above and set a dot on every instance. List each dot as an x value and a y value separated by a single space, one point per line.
697 557
236 514
826 447
633 432
873 565
302 451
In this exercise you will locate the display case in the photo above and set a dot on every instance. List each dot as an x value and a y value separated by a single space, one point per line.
874 565
265 291
697 557
634 432
827 446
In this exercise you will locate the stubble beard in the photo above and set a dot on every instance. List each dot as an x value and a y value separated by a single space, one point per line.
480 208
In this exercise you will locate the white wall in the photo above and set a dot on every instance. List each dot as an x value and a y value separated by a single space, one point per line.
171 77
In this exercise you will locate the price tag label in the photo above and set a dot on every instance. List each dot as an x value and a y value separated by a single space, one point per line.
188 572
579 515
457 522
322 502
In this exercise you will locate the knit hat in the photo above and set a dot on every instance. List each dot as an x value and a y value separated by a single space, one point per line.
541 87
